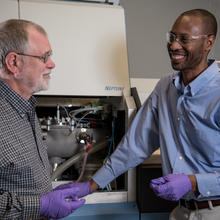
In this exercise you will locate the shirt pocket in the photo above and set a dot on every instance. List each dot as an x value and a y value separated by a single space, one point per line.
16 178
205 147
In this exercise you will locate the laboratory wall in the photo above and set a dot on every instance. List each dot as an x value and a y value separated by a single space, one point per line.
147 22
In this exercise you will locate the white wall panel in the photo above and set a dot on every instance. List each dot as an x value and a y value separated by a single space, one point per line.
89 46
8 9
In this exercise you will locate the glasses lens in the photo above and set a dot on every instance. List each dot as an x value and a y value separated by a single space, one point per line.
46 56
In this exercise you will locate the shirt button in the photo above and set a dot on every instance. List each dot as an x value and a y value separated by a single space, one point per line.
180 157
208 193
178 118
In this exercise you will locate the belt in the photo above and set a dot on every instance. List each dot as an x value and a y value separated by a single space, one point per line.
193 204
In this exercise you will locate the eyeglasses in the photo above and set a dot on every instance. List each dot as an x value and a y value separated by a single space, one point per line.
183 38
43 58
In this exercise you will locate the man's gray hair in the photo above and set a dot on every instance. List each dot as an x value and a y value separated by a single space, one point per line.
14 37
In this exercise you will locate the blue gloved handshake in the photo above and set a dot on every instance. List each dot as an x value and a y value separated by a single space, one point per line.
63 200
171 187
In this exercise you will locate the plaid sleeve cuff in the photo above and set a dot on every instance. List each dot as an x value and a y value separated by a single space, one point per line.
31 209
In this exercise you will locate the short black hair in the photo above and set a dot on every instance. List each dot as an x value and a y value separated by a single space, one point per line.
208 19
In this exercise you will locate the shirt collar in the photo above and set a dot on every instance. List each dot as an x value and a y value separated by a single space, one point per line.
20 104
200 81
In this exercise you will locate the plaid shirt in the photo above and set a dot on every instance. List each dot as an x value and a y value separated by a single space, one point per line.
24 165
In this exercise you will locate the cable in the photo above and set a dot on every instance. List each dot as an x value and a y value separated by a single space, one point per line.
108 186
68 163
89 145
73 113
83 168
83 117
67 114
112 138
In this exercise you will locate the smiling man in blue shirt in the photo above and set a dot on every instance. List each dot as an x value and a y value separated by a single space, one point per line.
182 118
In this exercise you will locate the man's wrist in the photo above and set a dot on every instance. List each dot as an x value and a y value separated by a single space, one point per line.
193 181
93 185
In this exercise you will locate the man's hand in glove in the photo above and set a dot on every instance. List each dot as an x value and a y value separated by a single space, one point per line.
84 188
171 187
60 203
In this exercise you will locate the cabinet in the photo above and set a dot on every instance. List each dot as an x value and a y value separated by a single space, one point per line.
147 201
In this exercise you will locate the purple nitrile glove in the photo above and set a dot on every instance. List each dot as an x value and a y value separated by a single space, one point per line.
60 203
158 181
171 187
84 188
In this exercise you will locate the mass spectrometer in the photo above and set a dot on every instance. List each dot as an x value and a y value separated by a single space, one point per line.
88 107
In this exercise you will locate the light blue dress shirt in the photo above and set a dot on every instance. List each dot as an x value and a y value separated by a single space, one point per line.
184 122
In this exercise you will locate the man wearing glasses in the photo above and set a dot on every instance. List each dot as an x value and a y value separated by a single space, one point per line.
182 118
25 185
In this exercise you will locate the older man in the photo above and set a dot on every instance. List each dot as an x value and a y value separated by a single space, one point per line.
25 68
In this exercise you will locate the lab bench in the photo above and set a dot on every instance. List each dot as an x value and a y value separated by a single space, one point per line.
113 211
